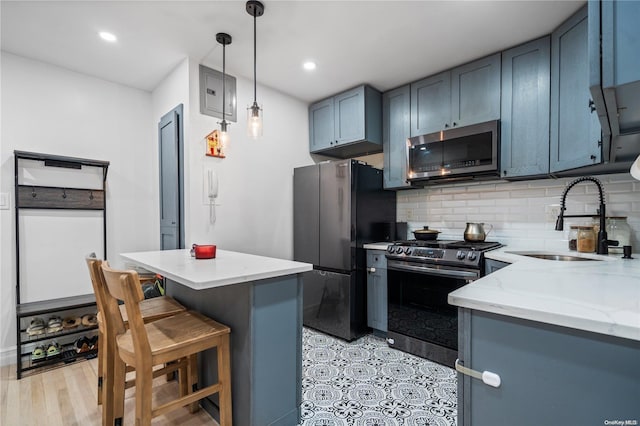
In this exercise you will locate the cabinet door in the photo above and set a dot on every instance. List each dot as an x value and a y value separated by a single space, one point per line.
621 63
431 104
475 92
575 129
321 125
377 299
524 126
396 128
349 116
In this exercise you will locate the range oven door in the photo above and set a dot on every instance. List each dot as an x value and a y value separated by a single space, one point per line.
420 320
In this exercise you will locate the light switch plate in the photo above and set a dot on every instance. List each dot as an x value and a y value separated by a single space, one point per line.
4 201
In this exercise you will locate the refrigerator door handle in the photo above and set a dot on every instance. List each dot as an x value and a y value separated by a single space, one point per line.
487 377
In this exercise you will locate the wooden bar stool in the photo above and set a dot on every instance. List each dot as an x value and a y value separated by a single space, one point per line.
151 309
178 338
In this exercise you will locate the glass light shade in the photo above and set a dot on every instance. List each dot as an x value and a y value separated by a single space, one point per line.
254 121
224 135
635 169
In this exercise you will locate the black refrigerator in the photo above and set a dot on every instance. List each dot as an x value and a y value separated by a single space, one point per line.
338 207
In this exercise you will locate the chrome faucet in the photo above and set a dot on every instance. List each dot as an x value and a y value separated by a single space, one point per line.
603 244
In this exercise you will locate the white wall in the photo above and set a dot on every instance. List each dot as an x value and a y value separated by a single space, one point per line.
520 212
255 204
51 110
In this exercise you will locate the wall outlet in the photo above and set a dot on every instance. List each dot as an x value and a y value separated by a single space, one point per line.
4 201
551 212
409 214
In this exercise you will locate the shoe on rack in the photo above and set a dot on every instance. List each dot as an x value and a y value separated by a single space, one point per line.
71 322
89 320
36 326
39 353
82 345
93 342
54 349
54 324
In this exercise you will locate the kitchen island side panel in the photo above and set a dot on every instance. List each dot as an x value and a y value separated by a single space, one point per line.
265 318
549 374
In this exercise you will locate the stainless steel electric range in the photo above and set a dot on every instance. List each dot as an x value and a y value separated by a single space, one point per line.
420 275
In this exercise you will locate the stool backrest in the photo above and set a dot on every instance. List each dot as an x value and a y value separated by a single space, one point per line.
125 286
107 304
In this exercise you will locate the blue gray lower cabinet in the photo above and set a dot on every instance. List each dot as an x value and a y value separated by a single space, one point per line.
266 346
377 290
550 375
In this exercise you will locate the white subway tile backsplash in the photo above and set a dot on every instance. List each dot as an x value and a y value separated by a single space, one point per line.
518 208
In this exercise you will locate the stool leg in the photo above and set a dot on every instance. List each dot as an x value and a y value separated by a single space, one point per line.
224 377
183 380
117 384
144 383
192 381
100 364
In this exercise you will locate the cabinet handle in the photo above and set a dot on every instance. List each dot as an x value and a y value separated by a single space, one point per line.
446 125
371 270
455 124
504 172
487 377
593 157
330 143
592 105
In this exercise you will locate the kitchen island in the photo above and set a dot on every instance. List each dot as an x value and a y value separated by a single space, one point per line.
564 337
260 298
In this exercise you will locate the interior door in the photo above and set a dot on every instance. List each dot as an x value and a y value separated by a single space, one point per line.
171 180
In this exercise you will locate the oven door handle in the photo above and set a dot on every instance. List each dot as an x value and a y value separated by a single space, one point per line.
398 266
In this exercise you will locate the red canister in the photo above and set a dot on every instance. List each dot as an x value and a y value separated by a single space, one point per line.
204 251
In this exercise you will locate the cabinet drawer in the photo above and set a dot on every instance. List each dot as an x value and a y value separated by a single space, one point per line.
376 259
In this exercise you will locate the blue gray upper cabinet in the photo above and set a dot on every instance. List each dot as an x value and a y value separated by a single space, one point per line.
321 125
465 95
348 124
615 78
524 126
431 104
576 135
396 128
475 92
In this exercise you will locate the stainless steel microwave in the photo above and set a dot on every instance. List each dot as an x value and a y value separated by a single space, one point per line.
459 153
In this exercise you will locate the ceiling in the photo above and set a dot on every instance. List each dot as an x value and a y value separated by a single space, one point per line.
383 43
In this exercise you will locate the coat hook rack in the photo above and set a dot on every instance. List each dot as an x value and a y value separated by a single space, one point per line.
64 192
91 195
33 192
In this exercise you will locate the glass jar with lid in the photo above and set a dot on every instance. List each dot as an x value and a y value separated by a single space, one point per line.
618 230
573 237
586 242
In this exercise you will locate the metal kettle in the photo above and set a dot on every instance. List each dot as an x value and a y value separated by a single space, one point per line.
475 232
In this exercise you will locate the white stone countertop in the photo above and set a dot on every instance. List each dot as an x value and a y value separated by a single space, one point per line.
597 296
376 246
227 268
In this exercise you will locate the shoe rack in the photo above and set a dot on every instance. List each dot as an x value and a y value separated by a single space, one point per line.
65 344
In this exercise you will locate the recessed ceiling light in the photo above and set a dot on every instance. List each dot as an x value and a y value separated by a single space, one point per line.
309 65
107 36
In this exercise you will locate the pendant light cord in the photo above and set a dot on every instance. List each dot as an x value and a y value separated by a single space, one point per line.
224 91
254 58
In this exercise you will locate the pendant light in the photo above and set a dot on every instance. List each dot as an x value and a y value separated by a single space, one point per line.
254 112
223 39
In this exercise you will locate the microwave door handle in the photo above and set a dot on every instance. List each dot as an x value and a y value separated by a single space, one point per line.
432 271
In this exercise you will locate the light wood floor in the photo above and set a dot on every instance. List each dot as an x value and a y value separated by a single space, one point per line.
66 396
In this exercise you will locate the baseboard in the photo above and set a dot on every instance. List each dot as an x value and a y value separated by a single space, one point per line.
8 356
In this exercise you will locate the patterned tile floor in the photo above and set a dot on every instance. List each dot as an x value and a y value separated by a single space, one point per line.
367 383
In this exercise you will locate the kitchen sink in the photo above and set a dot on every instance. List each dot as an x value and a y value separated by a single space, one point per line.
551 256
